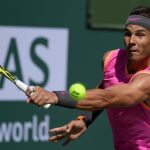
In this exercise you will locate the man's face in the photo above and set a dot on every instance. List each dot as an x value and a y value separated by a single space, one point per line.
137 42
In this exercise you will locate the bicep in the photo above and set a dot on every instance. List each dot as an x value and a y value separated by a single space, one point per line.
141 84
125 95
132 93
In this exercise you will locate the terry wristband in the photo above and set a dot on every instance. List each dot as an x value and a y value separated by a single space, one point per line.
90 116
65 100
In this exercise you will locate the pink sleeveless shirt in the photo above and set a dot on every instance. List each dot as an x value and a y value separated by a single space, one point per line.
130 126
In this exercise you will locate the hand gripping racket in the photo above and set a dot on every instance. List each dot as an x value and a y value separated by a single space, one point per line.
22 86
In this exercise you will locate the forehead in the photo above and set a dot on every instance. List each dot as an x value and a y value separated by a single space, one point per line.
132 27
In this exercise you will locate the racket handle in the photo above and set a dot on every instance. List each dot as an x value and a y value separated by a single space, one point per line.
22 86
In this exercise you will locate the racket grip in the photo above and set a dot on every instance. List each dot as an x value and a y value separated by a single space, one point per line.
22 86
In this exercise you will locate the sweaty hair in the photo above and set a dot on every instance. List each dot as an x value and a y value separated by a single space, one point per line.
141 10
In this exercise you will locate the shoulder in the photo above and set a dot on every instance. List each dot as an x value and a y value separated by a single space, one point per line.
110 54
141 81
140 75
105 55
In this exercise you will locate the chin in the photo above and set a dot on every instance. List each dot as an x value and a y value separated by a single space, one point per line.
135 58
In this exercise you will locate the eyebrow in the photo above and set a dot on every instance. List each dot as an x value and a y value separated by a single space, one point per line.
139 30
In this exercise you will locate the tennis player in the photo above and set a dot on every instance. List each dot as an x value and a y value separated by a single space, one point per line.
124 92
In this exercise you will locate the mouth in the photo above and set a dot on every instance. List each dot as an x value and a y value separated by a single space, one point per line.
133 51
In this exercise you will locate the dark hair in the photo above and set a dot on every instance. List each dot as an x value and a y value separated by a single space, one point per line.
141 10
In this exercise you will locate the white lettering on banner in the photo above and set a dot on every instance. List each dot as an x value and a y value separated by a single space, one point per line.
17 132
37 56
25 131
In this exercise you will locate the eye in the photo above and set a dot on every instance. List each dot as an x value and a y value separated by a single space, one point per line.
127 34
140 34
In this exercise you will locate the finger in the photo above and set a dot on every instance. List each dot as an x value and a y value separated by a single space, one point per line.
42 102
69 127
29 100
33 98
32 88
28 92
58 130
66 142
57 137
38 99
37 88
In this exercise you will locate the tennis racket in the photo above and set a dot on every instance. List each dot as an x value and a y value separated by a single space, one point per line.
22 86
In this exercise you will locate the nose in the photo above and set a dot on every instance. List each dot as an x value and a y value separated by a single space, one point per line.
132 40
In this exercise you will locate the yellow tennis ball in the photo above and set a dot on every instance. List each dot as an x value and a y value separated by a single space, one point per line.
77 91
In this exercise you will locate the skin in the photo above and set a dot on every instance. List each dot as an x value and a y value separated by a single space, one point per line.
70 131
137 43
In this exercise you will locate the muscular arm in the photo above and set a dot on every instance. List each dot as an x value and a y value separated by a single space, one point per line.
123 95
92 115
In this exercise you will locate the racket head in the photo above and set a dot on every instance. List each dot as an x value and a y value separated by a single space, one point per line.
6 74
